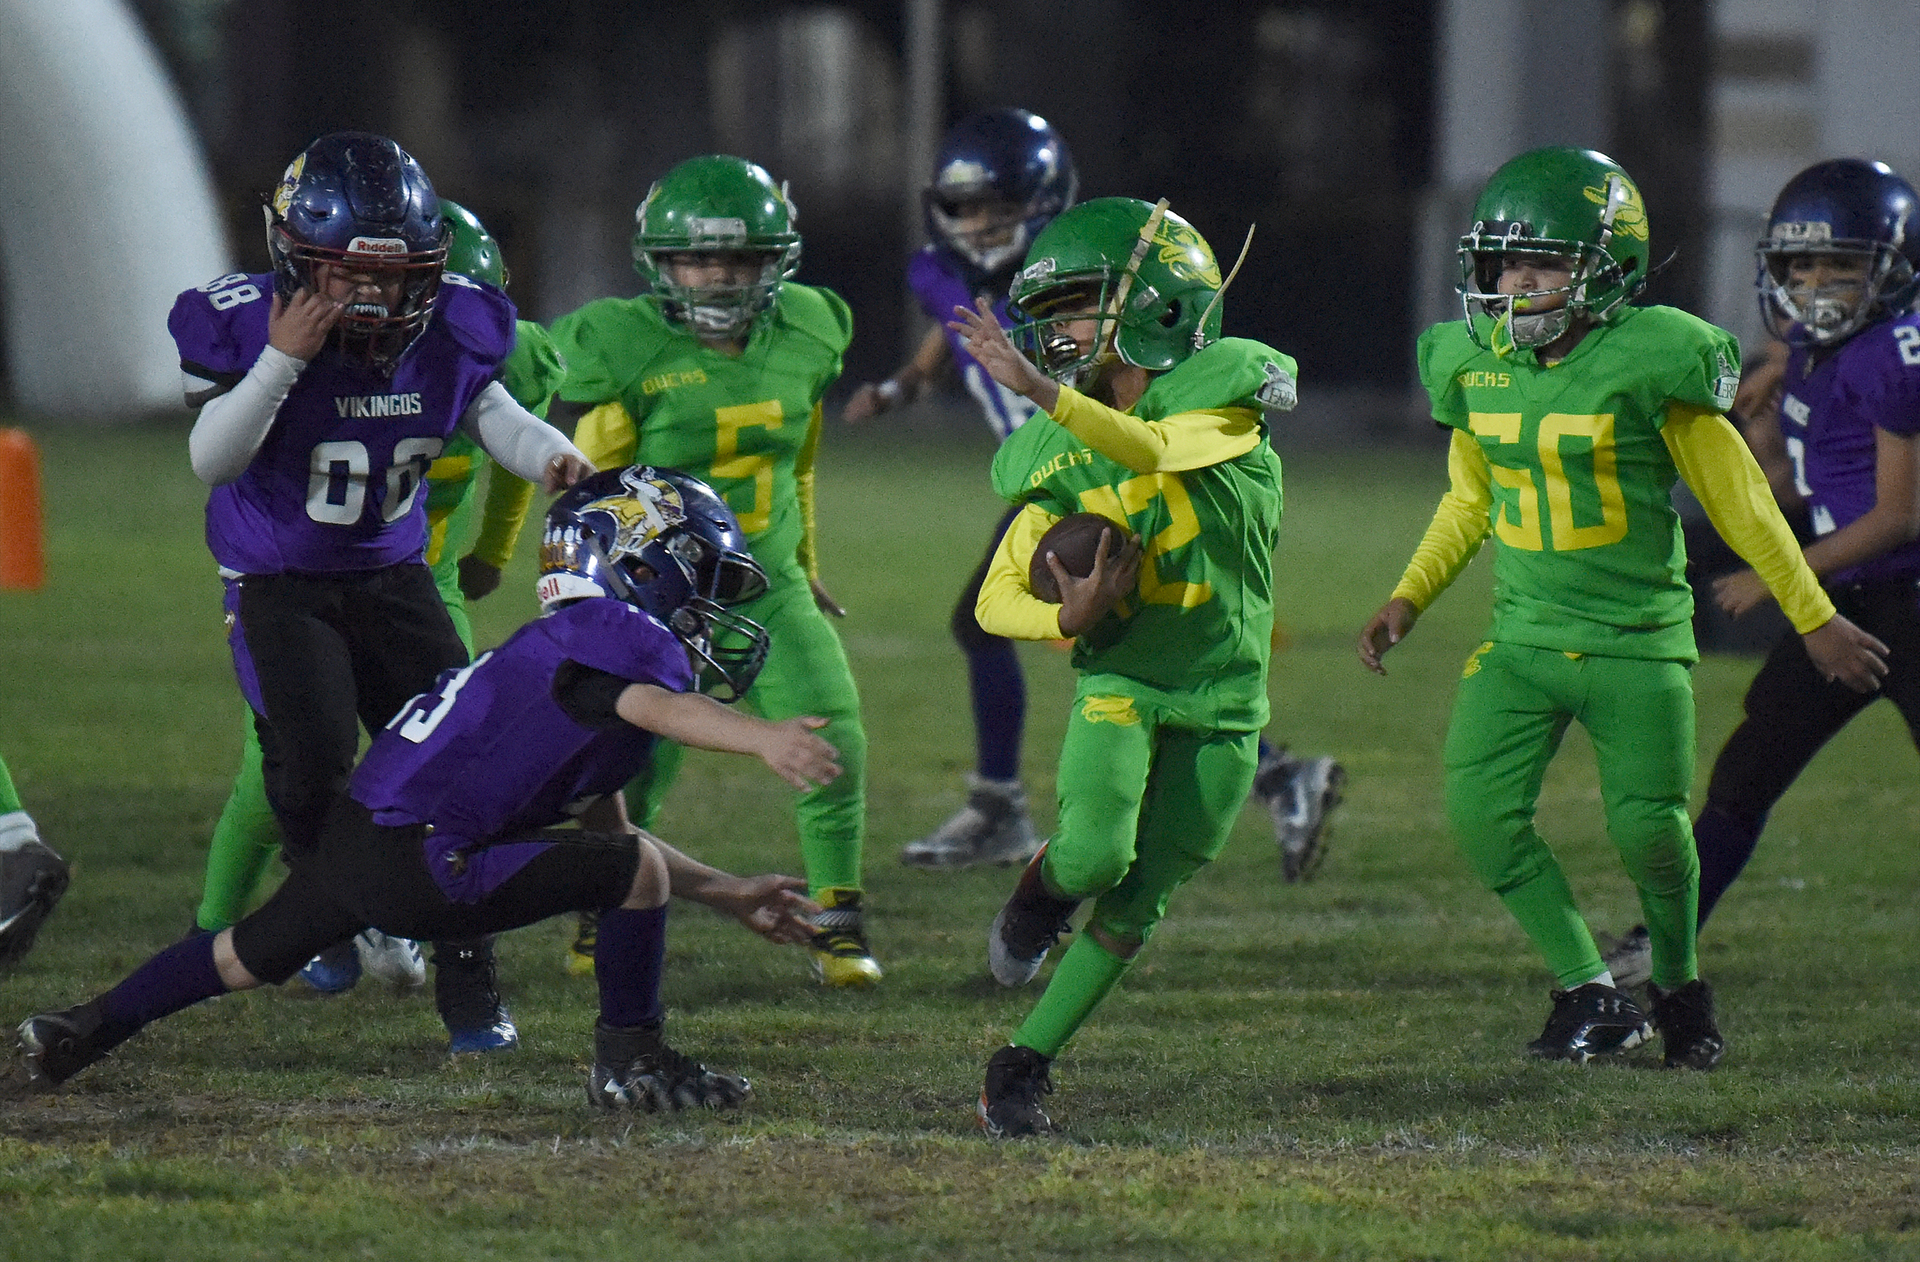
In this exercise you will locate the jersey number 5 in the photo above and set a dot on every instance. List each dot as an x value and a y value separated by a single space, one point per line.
1589 470
729 463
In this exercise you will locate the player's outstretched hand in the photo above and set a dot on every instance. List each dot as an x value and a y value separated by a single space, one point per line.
1740 592
987 342
478 579
823 599
564 470
775 907
867 402
299 328
792 751
1116 569
1384 630
1844 654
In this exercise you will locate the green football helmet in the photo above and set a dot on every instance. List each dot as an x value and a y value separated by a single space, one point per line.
716 205
1569 203
1143 273
471 249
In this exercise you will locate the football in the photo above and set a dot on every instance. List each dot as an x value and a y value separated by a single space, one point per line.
1075 539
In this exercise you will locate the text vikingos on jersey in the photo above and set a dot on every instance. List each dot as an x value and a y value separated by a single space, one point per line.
356 406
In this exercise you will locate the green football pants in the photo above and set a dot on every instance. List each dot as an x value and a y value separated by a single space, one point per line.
806 673
1509 715
1145 803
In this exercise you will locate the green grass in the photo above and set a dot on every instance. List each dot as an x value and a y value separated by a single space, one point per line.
1330 1070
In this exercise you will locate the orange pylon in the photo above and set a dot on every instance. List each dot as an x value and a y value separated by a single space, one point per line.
23 549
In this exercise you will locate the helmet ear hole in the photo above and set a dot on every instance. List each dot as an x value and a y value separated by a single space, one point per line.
1171 316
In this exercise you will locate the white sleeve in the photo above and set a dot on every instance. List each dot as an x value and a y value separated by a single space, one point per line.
231 426
523 443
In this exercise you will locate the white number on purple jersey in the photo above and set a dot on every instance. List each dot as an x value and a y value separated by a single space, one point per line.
339 472
416 721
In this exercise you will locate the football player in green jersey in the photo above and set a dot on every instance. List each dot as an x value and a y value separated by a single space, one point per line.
247 837
1154 421
720 371
1572 414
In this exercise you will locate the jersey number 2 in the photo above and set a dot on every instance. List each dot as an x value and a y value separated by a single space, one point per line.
1183 527
1592 471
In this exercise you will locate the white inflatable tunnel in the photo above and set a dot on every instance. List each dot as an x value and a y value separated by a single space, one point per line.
106 211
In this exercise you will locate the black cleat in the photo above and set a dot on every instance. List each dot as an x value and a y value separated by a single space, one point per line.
32 879
1010 1102
466 991
634 1069
57 1045
1027 927
1588 1021
1684 1017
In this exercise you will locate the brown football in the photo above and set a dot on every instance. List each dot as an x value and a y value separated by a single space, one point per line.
1075 539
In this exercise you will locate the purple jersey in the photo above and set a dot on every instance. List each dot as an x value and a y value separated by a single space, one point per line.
1829 415
489 754
336 484
940 289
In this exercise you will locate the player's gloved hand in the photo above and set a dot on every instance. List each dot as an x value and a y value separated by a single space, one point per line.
1384 630
825 601
564 470
1116 569
792 751
1844 654
299 328
775 907
478 578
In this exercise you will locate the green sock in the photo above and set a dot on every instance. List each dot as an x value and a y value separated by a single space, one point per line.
1084 976
244 843
1544 906
9 800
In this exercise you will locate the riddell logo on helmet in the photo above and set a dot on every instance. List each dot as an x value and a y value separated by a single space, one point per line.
382 246
1809 232
717 229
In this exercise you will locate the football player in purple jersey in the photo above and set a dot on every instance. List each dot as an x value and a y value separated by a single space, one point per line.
325 389
1837 283
449 827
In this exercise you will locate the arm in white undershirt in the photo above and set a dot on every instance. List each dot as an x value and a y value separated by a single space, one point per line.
231 426
523 443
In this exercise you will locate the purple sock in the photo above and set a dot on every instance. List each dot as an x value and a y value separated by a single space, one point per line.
627 961
999 707
178 977
1725 843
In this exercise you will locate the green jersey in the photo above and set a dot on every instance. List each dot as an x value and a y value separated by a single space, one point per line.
745 424
1589 556
530 374
1200 623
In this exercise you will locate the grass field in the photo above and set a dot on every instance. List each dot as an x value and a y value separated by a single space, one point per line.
1330 1070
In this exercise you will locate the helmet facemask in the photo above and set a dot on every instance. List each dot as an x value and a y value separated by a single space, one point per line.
1519 320
725 311
1043 332
983 228
1801 311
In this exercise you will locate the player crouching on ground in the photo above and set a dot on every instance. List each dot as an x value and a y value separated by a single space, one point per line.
1572 414
1160 425
448 828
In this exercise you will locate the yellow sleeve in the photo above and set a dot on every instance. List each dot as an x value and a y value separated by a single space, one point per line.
1459 526
606 436
1722 473
806 553
1007 606
437 519
505 511
1186 440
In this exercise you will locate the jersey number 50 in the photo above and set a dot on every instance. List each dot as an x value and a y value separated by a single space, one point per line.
1592 473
